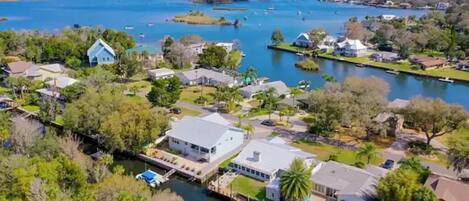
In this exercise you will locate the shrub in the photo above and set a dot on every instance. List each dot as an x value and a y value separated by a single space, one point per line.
332 157
307 64
420 148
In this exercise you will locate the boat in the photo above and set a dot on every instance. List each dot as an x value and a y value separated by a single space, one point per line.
446 79
129 27
392 72
303 84
299 54
150 177
243 55
298 13
270 8
151 24
141 35
360 65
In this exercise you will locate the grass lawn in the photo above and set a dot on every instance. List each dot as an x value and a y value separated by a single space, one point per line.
187 112
31 108
225 163
402 67
463 132
323 151
143 85
257 112
190 94
59 120
137 99
4 90
249 187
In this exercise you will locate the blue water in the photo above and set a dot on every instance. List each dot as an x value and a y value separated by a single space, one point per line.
253 35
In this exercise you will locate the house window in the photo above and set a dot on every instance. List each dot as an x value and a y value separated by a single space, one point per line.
213 150
319 188
205 150
193 146
330 192
175 141
243 168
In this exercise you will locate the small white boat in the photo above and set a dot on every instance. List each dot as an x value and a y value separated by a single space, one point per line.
141 35
446 79
392 72
129 28
271 8
150 177
151 24
243 55
360 65
299 54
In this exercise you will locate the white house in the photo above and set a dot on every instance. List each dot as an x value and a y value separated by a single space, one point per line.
252 90
260 158
303 40
227 46
101 53
206 77
337 181
161 73
204 139
351 48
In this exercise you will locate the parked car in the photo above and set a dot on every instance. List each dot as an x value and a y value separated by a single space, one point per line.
388 164
175 110
268 122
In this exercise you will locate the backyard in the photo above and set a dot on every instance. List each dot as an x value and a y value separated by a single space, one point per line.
249 187
190 94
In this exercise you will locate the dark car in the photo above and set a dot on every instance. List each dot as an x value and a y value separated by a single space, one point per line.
175 110
268 123
388 164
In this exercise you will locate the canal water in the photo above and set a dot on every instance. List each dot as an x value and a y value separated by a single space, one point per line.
291 16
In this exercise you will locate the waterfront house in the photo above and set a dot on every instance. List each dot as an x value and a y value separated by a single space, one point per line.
442 6
227 46
405 5
101 53
207 77
204 138
161 73
20 68
350 48
54 86
148 54
336 181
446 188
260 158
386 57
425 62
280 87
303 40
463 65
197 48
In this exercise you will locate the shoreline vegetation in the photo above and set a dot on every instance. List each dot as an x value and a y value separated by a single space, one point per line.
3 19
403 67
197 17
307 64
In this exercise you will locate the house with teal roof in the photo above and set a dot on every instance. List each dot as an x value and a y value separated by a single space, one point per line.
101 53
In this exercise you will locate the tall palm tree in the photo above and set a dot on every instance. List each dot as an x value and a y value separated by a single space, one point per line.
369 151
234 97
295 183
294 92
249 129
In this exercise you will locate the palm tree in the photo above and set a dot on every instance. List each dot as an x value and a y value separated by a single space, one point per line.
249 129
234 97
295 183
250 75
295 92
369 151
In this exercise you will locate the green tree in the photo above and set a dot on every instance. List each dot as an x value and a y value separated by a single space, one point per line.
5 126
73 92
423 193
250 75
295 183
316 36
434 117
165 92
402 185
128 66
368 150
269 100
413 163
234 59
120 187
213 56
277 37
73 62
458 153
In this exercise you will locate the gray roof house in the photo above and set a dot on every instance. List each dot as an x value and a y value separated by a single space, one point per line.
206 77
337 181
55 85
260 158
252 90
204 138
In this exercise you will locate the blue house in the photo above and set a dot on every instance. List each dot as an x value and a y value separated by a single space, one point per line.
101 53
303 40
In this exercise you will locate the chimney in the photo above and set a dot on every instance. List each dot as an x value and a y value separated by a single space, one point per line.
256 156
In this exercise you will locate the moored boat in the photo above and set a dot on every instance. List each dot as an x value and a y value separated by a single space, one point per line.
128 27
150 177
392 72
446 79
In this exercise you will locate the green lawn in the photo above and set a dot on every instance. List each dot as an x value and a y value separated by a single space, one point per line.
249 187
137 99
323 151
142 85
31 108
190 94
59 120
4 90
187 112
227 162
402 66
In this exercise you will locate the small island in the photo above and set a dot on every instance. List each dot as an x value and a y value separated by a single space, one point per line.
3 19
197 17
307 64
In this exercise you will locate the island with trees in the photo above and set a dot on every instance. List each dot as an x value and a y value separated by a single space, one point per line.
198 17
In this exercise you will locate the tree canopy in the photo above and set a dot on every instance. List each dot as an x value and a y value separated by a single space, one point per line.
165 92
